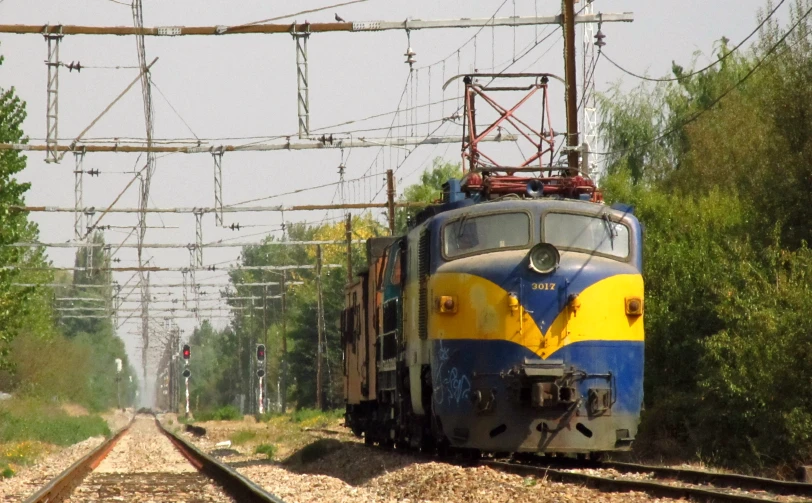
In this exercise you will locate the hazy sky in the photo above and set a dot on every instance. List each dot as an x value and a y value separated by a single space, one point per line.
244 86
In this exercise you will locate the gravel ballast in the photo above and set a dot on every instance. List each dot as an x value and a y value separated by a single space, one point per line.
346 471
145 466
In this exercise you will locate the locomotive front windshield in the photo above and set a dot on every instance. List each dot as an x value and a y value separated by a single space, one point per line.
589 234
485 233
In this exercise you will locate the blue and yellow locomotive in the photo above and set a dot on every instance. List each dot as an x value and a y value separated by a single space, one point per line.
508 319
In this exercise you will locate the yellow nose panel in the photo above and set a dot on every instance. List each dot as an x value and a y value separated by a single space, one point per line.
486 311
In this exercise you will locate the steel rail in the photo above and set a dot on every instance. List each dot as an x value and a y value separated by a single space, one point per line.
717 479
60 487
239 487
624 485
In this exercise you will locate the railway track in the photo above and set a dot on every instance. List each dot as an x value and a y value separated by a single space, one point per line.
656 481
662 482
145 462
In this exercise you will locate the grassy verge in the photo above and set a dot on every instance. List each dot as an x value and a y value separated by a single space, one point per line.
314 418
242 436
227 413
277 436
267 449
28 428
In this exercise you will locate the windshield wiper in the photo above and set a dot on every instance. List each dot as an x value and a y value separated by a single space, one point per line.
609 229
461 231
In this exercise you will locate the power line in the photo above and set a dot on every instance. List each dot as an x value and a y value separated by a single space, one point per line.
706 68
165 269
287 16
699 113
467 41
296 191
84 244
327 143
179 116
241 209
288 28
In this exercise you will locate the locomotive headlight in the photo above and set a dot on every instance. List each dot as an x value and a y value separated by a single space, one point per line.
446 304
634 306
544 258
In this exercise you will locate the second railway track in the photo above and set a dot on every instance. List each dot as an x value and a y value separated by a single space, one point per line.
663 482
148 463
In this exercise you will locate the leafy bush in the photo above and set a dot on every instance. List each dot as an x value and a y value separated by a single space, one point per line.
315 417
227 413
268 449
721 181
265 417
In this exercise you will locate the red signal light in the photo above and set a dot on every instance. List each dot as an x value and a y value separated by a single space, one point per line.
261 352
187 351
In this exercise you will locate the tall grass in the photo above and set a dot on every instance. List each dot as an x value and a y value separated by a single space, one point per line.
315 417
242 436
227 413
28 420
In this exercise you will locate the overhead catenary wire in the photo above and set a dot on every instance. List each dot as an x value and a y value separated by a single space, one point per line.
719 60
179 116
473 38
696 115
288 16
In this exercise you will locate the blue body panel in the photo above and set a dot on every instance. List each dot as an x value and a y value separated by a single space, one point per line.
460 366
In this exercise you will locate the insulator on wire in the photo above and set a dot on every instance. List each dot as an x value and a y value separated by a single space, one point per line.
410 56
599 38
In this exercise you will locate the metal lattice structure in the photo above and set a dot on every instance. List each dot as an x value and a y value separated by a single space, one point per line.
303 84
532 176
589 105
52 94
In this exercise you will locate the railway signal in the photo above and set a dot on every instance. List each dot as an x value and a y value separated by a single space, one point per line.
261 375
187 352
187 373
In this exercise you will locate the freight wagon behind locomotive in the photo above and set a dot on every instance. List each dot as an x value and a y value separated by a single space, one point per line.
508 319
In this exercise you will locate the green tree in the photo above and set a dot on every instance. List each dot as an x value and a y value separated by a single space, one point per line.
722 187
429 190
14 225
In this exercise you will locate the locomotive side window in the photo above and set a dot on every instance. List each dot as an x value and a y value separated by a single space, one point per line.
396 277
591 234
486 233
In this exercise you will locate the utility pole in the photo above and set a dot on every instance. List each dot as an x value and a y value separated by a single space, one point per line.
283 394
390 200
568 8
348 230
320 332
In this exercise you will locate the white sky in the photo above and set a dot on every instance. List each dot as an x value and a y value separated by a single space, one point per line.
245 86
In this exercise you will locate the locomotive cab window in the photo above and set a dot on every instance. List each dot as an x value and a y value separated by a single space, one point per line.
396 278
470 235
599 234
